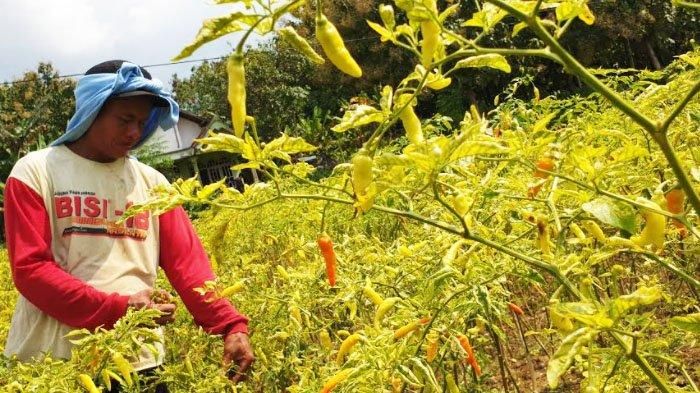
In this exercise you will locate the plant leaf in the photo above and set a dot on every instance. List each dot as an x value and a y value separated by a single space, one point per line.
643 296
212 29
492 60
690 322
564 357
359 116
612 212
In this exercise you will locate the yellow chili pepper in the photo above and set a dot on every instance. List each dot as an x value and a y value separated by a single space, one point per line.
595 231
431 36
346 347
361 173
325 339
124 367
383 309
653 232
431 346
235 288
299 43
236 92
409 327
333 381
409 120
372 295
334 47
88 384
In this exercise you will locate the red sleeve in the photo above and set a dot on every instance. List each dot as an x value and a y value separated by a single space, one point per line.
36 274
185 263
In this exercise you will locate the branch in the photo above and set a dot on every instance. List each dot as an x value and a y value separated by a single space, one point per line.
679 107
687 4
576 68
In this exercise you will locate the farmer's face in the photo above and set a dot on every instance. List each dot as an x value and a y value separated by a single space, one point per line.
117 128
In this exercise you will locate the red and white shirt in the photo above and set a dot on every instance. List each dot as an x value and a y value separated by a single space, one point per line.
75 267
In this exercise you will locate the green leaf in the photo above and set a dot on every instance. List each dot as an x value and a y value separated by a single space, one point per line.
486 18
386 101
629 152
300 169
449 11
426 372
613 212
207 191
576 8
384 34
388 160
586 313
542 123
690 322
567 351
282 9
643 296
287 145
214 28
492 60
359 116
518 28
247 165
223 142
695 173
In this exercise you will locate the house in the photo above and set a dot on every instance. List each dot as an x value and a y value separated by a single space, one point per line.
179 145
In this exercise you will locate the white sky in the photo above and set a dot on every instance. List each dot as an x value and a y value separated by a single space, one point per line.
76 34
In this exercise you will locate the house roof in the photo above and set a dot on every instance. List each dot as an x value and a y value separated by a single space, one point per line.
201 121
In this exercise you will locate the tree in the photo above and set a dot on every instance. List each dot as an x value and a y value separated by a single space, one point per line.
277 85
34 110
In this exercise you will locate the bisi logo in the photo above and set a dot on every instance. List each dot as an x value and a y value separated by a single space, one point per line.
91 207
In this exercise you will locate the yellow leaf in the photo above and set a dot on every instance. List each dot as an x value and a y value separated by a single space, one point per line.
385 35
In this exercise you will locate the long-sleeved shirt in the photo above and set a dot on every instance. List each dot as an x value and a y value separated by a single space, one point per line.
74 267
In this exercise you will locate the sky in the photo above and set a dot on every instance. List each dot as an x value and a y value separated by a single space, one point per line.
74 35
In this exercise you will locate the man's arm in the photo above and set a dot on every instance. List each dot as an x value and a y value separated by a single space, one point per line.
185 263
36 274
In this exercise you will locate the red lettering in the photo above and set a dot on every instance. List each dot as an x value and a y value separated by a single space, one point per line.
76 200
104 209
63 207
129 221
142 221
92 207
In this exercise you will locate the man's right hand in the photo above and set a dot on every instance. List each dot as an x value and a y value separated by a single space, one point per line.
143 299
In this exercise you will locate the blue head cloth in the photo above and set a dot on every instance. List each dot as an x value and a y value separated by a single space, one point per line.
93 91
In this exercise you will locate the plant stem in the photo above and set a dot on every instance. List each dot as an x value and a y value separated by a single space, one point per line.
499 353
671 267
653 128
549 268
662 140
641 362
687 4
679 107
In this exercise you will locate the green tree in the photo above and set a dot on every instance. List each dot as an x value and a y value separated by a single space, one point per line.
277 85
34 110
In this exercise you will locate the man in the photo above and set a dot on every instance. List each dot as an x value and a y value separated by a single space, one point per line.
73 266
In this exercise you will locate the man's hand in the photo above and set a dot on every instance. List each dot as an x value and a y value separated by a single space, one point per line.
144 299
238 356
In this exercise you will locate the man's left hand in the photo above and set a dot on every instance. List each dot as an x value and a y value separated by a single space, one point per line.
238 356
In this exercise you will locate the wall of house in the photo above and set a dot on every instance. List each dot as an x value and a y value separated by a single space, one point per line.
176 140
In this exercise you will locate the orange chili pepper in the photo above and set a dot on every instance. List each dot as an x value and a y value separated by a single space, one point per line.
325 243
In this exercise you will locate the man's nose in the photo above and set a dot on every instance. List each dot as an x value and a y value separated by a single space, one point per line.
133 130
